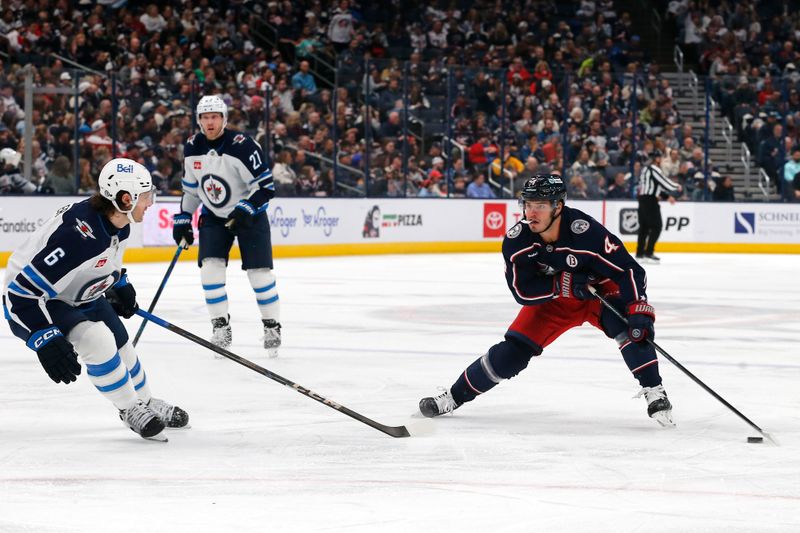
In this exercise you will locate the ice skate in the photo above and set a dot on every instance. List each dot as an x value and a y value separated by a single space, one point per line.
143 421
653 259
272 337
438 405
658 406
221 335
170 415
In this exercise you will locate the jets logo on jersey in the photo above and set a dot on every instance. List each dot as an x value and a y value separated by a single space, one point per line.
84 229
610 247
580 226
198 165
239 139
216 190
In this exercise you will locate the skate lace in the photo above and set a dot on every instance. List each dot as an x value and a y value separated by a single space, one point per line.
444 402
138 415
161 408
272 335
652 394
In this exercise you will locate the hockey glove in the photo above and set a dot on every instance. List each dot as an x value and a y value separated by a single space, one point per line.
574 285
641 316
122 297
56 354
241 216
182 228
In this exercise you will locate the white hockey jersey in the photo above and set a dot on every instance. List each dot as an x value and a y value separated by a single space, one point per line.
223 172
74 257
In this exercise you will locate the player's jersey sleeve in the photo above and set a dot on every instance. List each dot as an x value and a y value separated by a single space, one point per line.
190 183
606 257
530 281
257 174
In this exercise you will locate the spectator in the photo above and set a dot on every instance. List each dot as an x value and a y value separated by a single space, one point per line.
60 180
478 188
618 190
790 169
724 191
303 80
11 180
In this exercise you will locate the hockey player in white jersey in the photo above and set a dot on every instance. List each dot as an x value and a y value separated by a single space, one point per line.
225 172
65 290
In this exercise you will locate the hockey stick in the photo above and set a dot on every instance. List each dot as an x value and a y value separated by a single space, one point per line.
685 370
181 247
394 431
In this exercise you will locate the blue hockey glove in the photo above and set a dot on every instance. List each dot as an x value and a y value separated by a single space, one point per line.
122 297
182 228
641 316
56 354
574 285
241 216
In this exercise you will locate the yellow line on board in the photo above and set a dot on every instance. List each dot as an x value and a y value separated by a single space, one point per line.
165 253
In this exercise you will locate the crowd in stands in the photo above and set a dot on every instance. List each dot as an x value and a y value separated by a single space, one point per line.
518 87
750 50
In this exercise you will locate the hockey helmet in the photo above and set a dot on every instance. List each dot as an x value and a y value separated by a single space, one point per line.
11 157
124 175
544 187
212 104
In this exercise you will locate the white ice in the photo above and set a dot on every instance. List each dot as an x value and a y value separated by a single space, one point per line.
562 447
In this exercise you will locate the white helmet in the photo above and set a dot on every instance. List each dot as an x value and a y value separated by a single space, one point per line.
212 104
9 156
126 175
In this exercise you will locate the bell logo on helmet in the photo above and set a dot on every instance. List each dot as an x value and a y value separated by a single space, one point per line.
128 169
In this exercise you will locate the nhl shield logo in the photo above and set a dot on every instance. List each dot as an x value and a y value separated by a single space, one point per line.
629 221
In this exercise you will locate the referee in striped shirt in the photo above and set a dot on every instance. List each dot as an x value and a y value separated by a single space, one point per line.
652 184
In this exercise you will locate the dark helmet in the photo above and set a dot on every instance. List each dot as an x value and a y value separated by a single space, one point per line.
544 187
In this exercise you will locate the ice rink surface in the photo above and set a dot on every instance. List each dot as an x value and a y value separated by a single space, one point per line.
561 447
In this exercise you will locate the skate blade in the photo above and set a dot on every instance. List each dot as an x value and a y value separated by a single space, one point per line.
664 418
160 437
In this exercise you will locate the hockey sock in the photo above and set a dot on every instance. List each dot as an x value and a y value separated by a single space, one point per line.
503 361
212 275
641 360
263 282
95 344
138 376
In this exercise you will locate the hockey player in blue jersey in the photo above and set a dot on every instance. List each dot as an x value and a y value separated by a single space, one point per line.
225 172
551 258
65 289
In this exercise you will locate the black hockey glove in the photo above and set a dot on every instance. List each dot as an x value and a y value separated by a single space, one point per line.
241 216
56 354
122 297
182 228
641 316
574 285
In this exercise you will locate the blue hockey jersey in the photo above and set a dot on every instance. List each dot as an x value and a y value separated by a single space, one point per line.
74 257
222 172
584 245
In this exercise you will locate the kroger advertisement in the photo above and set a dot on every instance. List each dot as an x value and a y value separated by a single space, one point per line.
299 221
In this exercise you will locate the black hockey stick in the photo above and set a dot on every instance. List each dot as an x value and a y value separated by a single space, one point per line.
685 370
394 431
181 247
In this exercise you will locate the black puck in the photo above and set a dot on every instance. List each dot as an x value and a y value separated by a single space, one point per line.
752 440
